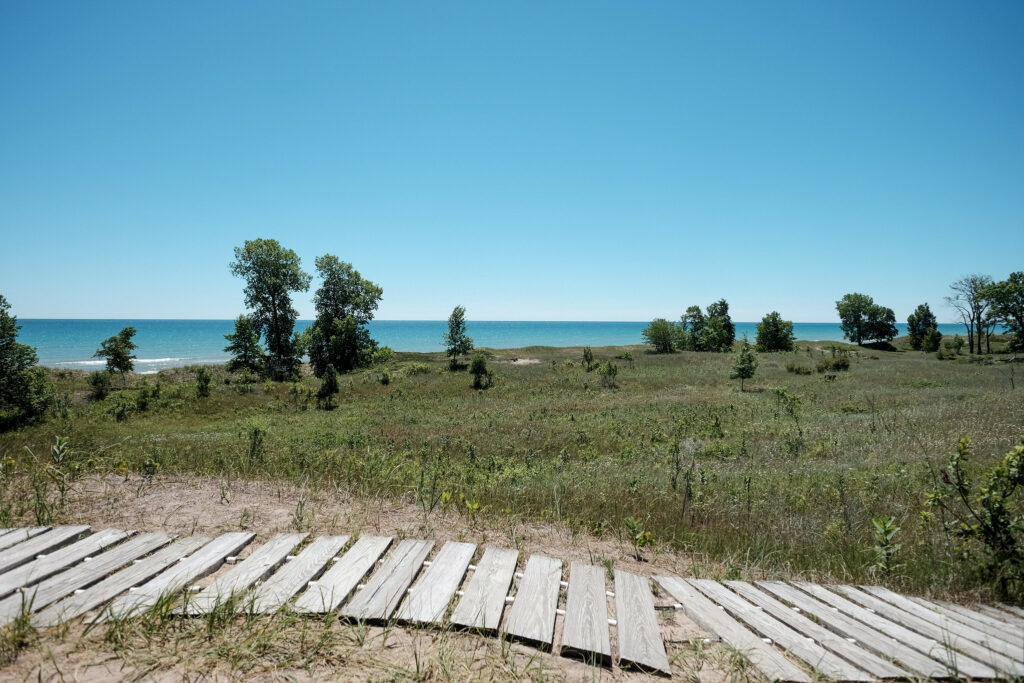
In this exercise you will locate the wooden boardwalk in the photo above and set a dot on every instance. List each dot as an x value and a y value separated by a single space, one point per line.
789 631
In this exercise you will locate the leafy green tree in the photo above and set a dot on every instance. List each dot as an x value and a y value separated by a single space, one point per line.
329 388
345 303
588 358
1006 299
271 274
456 340
774 333
920 323
745 364
720 311
118 352
932 341
715 336
661 334
862 320
244 345
203 379
25 390
691 326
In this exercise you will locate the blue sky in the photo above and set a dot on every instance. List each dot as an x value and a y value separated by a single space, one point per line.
529 160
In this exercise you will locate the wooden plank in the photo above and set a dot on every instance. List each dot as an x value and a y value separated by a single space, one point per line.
82 574
1002 615
178 576
876 635
781 633
953 662
483 602
640 643
770 662
865 659
1012 609
243 575
273 593
586 615
15 536
532 616
386 588
333 588
428 600
45 566
45 542
115 584
996 628
951 633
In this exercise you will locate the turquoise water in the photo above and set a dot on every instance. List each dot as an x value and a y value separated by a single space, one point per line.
173 343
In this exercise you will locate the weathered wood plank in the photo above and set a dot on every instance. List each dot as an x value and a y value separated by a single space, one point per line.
953 662
874 635
1000 614
45 566
239 578
865 659
483 602
82 574
428 600
953 634
770 662
640 643
338 582
1011 633
178 576
532 616
386 587
586 615
781 633
115 584
15 536
273 593
45 542
1012 609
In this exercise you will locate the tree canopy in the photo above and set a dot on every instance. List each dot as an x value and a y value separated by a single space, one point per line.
118 352
345 303
661 334
271 274
969 301
774 333
244 346
25 390
862 320
456 340
920 324
1006 299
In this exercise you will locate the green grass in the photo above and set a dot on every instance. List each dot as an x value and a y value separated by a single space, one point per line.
704 467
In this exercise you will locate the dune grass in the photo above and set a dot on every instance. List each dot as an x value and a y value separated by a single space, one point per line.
782 478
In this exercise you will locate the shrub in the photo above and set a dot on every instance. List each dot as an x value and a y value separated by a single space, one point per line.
774 333
661 334
798 368
932 341
832 364
482 377
100 383
417 369
203 378
383 355
329 387
608 372
588 358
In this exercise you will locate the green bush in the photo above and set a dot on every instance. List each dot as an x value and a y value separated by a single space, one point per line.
482 377
203 378
382 355
798 368
100 383
608 372
932 341
833 364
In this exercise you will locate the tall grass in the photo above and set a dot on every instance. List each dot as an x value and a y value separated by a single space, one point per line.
765 484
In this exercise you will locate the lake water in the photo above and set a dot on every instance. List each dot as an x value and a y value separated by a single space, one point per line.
173 343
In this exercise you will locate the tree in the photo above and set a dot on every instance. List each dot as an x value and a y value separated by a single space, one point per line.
692 323
861 319
329 387
970 303
271 274
203 379
745 364
118 352
920 323
720 311
661 334
345 303
1006 299
774 333
456 339
25 390
932 340
244 345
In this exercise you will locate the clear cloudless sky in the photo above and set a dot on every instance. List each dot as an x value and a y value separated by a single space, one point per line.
530 160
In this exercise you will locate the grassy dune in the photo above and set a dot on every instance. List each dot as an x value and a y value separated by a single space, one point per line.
769 482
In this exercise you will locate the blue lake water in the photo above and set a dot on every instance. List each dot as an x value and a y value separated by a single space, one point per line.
173 343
